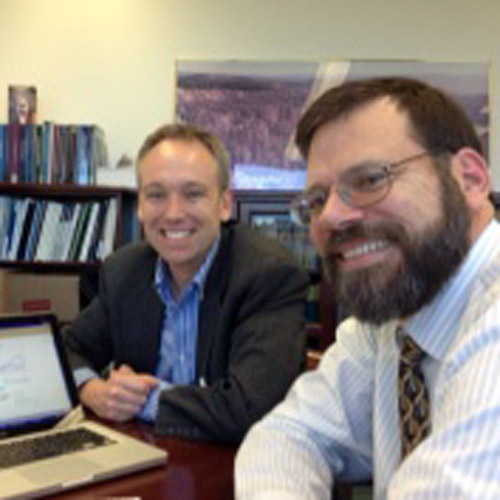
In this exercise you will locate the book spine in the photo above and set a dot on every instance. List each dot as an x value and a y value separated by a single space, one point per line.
3 158
13 150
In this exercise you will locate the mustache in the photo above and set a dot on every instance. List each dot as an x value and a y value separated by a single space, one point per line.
393 232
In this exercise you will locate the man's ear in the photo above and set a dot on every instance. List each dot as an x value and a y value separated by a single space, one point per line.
226 203
470 170
139 209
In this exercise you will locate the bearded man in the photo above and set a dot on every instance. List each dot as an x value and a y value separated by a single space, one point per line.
397 202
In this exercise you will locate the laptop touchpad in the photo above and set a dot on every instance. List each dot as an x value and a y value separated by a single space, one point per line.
65 468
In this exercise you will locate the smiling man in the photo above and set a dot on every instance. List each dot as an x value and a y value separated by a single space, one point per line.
397 203
200 327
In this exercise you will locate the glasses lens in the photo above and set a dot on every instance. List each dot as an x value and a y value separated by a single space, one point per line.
307 205
299 211
364 186
358 187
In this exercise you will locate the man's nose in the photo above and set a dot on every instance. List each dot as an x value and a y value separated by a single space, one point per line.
337 213
174 208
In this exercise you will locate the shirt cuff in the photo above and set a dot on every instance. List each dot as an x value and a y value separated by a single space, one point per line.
82 375
150 408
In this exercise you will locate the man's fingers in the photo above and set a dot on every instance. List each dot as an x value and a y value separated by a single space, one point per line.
119 410
125 369
111 400
136 382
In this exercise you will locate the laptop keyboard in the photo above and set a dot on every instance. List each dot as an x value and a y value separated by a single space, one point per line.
50 445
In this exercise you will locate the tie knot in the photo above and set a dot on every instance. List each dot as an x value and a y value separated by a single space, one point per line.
411 353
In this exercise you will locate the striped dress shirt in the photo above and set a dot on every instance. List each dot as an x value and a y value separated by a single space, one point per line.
340 422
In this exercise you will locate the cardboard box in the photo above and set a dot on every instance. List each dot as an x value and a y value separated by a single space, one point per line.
29 293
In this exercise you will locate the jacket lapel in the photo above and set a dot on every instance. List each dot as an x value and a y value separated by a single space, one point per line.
146 300
211 304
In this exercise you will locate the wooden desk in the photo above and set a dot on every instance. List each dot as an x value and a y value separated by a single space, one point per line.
194 471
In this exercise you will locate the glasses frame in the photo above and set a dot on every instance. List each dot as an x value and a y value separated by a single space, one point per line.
302 213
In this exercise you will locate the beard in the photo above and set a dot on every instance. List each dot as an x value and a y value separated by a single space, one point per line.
383 292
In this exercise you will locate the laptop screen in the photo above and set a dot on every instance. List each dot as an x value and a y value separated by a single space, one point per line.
34 388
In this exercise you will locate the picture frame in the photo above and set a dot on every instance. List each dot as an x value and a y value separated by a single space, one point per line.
22 101
270 216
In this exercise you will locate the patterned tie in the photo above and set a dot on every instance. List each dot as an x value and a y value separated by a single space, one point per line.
414 406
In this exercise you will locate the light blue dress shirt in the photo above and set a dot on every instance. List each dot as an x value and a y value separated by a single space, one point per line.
341 420
177 360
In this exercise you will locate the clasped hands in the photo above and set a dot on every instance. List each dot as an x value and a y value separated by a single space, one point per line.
119 397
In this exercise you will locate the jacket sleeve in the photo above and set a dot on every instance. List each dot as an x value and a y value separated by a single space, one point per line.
87 340
123 322
258 349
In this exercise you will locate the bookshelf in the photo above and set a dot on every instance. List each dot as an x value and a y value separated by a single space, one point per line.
64 286
56 226
37 212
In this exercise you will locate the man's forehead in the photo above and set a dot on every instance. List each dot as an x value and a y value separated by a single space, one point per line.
378 121
179 162
171 152
186 146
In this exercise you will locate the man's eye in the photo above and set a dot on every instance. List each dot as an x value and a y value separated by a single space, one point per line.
155 195
368 180
316 201
194 195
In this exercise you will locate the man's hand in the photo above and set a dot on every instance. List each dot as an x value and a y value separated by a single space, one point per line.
121 396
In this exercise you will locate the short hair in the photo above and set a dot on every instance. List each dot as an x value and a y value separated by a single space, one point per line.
191 133
438 122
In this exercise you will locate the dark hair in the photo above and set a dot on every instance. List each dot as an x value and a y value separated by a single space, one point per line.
188 133
439 123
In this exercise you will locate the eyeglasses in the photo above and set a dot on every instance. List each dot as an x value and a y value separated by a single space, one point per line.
358 187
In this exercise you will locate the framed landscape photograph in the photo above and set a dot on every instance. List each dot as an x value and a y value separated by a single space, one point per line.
253 106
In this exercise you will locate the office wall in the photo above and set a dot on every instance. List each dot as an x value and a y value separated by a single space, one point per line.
112 61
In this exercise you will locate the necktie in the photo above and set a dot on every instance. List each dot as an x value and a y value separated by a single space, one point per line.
414 406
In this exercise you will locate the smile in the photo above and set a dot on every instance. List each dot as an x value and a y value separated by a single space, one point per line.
175 235
364 249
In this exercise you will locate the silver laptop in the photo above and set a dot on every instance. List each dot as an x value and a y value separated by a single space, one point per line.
36 392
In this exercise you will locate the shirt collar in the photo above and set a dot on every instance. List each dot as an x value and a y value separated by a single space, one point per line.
163 281
434 326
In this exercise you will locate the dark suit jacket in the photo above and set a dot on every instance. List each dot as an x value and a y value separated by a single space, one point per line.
251 338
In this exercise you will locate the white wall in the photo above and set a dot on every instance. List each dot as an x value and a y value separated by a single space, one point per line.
112 61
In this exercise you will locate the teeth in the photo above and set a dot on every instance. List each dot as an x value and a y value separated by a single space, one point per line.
365 248
176 234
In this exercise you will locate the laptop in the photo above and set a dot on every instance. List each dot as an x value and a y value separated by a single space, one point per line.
37 391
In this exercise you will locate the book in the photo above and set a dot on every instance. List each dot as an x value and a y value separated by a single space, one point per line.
61 232
26 153
97 236
89 231
72 214
46 241
13 152
34 232
3 156
20 209
79 231
109 233
26 227
5 209
47 151
10 227
82 157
